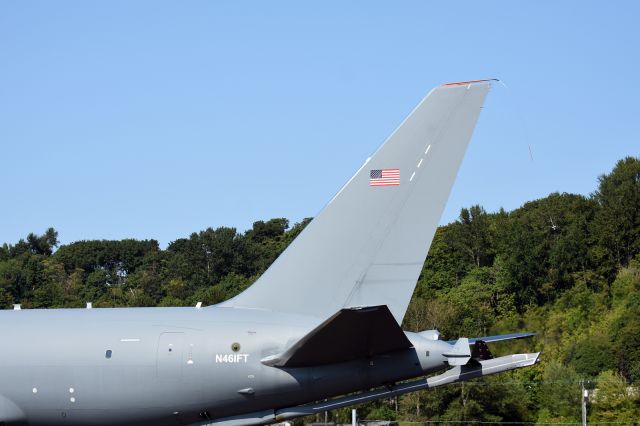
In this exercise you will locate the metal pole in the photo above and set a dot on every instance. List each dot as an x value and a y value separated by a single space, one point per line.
353 418
583 397
326 415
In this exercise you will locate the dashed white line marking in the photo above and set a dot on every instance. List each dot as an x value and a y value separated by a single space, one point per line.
427 151
420 163
412 176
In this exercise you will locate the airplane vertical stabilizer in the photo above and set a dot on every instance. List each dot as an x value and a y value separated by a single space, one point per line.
368 245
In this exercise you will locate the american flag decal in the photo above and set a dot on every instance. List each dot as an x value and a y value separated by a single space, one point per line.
384 177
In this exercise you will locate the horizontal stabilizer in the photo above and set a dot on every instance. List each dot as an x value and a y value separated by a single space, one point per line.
349 334
455 374
497 338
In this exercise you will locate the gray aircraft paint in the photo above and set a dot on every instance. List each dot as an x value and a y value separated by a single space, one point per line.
179 366
368 245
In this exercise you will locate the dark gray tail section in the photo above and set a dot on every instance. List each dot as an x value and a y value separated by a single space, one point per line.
368 245
349 334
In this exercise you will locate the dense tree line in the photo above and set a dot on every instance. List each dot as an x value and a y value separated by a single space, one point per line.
566 266
209 266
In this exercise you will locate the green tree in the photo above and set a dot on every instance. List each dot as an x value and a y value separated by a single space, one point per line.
593 355
445 265
625 334
542 244
616 225
559 395
613 400
475 235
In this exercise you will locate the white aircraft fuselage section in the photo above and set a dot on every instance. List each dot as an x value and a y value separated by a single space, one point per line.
67 366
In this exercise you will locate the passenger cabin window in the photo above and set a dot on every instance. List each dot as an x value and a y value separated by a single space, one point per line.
107 354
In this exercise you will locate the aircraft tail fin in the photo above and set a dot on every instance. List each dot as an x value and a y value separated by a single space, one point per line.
368 245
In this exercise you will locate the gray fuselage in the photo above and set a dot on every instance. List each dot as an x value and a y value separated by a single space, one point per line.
168 366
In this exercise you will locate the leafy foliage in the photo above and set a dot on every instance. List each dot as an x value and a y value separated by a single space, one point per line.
566 266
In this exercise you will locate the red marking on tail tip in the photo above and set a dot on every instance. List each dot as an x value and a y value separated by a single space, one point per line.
462 83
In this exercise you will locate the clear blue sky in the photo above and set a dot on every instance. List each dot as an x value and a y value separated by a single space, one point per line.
154 119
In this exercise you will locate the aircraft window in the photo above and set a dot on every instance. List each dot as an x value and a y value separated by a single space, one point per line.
107 354
427 353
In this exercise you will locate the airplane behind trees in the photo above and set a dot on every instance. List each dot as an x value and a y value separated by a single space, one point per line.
319 330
